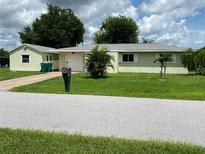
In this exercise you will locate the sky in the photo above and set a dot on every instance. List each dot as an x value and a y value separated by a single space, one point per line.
173 22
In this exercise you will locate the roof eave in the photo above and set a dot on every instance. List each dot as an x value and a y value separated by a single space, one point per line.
65 50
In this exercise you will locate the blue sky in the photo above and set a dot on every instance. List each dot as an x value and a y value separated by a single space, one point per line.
136 2
173 22
197 21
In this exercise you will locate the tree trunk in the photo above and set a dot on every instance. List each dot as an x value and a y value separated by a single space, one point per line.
165 68
161 72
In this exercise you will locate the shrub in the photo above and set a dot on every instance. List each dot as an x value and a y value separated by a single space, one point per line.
188 59
97 62
194 61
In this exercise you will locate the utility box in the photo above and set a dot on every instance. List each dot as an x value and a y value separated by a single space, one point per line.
46 67
66 73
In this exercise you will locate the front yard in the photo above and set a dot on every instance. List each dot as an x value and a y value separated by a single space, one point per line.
19 141
127 84
6 74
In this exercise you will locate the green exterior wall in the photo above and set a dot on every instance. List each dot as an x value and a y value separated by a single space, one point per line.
35 58
114 62
144 62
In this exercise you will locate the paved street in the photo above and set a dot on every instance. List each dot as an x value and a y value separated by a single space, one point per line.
134 118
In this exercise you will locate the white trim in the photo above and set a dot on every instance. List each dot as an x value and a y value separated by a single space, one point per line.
86 50
29 58
128 62
170 70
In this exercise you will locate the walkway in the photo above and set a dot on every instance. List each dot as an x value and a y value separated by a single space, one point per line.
9 84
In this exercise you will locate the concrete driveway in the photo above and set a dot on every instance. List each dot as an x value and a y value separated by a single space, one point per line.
9 84
133 118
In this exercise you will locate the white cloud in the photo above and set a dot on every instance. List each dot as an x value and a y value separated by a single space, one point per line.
165 21
183 7
94 13
14 15
161 20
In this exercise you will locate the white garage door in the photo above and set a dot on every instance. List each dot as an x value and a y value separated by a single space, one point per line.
75 61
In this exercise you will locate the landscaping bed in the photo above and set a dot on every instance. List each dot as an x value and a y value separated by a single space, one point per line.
21 141
191 87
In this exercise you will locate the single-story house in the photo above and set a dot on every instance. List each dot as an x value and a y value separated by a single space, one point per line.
28 57
137 57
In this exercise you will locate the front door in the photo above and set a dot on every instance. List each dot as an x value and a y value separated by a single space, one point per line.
75 61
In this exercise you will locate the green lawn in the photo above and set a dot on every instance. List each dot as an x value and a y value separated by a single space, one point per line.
20 141
127 84
6 74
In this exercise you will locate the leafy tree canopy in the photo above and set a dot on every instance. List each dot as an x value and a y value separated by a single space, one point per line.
117 29
57 28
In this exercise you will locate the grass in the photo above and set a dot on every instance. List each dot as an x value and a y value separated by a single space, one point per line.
127 84
6 74
21 141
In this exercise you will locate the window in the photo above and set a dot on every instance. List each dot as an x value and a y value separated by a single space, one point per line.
128 57
50 58
47 58
25 58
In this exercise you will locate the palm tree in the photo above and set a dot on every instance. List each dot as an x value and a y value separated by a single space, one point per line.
144 40
97 62
163 59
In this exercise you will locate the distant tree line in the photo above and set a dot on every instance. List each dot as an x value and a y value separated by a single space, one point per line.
194 60
4 53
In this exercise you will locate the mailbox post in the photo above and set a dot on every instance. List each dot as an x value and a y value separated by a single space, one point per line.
66 73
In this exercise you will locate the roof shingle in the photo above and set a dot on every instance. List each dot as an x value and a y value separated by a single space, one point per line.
137 47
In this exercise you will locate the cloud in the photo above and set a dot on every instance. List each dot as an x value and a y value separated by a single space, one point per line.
93 12
14 15
165 21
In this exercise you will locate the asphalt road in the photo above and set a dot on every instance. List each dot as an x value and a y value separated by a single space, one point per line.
133 118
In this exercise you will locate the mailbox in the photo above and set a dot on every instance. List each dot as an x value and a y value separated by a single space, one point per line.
66 73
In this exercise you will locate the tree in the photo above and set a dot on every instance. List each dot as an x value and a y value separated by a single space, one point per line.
4 53
188 59
97 62
194 61
57 28
117 29
163 59
144 40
